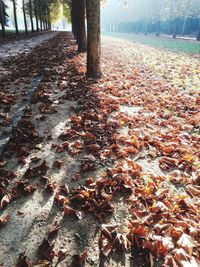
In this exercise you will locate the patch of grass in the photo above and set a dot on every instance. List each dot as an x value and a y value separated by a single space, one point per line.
176 45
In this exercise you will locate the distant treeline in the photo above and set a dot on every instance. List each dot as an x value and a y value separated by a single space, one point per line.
174 17
39 14
177 27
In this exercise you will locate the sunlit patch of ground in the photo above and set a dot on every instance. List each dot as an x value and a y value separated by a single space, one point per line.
178 69
129 141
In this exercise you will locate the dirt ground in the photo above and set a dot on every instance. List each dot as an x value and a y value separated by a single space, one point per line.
67 141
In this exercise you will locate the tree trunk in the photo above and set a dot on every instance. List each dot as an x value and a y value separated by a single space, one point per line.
46 23
24 15
145 27
46 18
81 34
36 15
198 35
37 23
49 18
2 16
74 9
43 23
93 38
158 28
184 26
175 28
15 17
31 15
170 30
40 16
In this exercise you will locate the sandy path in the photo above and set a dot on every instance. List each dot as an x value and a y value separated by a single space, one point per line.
16 87
126 107
14 48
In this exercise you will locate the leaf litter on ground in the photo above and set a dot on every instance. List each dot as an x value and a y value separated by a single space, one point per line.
103 135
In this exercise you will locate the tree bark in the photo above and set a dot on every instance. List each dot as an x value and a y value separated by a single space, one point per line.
46 18
175 28
158 28
145 27
2 16
36 15
15 17
198 35
49 18
43 24
81 34
40 15
184 25
74 9
46 23
31 15
93 38
24 15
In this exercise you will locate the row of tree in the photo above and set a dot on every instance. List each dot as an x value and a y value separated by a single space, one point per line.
90 42
34 9
44 10
167 16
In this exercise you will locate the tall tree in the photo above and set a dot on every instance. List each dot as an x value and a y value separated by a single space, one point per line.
24 15
2 17
36 14
31 15
15 16
40 14
74 17
81 34
93 38
49 18
198 34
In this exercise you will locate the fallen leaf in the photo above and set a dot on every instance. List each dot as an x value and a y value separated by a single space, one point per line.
70 211
187 243
4 219
5 201
61 253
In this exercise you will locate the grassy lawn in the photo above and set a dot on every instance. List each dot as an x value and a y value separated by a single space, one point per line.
176 45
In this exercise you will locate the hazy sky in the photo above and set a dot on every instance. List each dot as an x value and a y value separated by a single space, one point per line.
112 10
19 13
20 17
116 11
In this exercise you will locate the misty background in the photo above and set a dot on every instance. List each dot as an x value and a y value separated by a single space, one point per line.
61 22
145 16
152 16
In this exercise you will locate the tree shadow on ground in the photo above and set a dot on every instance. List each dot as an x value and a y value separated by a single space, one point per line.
94 128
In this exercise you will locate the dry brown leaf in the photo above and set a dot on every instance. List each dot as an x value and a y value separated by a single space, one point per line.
70 211
4 219
5 201
187 243
51 185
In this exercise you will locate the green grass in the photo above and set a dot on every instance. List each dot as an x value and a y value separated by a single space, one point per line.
175 45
